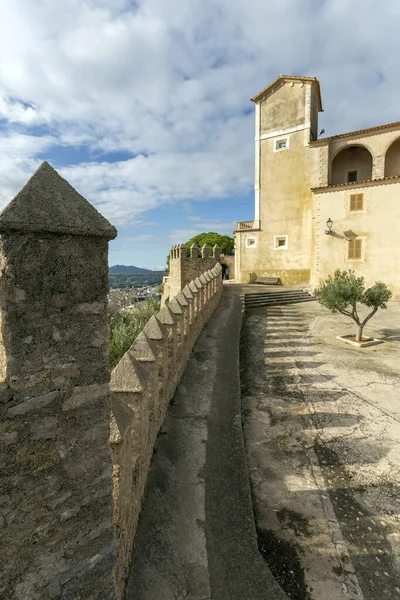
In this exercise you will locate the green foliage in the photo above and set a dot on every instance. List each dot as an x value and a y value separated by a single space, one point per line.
126 326
225 242
377 295
344 290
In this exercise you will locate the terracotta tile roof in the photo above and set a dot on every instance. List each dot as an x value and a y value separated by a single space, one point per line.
322 141
324 188
313 80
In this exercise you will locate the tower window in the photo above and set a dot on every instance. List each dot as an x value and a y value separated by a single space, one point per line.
281 144
280 242
251 242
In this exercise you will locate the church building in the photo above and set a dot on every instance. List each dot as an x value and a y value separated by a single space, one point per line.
320 204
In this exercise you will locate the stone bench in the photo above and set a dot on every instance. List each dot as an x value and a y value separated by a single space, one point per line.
268 280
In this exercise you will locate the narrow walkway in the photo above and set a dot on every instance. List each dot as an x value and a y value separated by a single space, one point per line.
196 538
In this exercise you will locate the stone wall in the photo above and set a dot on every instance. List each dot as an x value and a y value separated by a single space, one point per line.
56 508
185 266
142 385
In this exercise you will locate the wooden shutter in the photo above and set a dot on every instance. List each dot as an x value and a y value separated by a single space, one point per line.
356 201
355 249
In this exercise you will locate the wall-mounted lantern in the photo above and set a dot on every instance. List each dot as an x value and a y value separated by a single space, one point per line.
329 224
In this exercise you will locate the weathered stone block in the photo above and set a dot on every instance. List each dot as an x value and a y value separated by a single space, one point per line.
32 404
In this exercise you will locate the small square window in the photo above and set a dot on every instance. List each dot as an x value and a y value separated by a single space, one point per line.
251 242
281 144
356 202
280 242
351 176
354 249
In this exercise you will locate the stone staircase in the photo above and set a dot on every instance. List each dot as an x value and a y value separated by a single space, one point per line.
259 299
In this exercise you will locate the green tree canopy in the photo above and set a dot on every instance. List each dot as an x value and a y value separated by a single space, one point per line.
225 242
344 290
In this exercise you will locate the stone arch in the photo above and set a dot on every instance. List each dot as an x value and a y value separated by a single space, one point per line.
228 261
392 159
352 163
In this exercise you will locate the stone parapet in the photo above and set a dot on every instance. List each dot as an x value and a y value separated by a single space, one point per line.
184 267
56 513
142 386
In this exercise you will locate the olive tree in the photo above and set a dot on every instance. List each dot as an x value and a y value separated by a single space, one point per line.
344 290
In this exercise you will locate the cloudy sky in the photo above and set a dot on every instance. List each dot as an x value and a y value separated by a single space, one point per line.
143 105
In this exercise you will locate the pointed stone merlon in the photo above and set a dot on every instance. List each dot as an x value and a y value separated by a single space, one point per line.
216 252
194 251
205 251
178 252
55 412
131 448
49 204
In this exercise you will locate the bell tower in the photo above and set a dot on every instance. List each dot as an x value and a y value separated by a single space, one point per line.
279 243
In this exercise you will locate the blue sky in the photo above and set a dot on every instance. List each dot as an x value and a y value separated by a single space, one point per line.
143 105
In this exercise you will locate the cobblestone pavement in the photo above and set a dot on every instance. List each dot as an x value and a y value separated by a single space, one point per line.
322 431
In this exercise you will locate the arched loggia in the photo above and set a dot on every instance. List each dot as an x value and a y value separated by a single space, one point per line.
392 159
353 163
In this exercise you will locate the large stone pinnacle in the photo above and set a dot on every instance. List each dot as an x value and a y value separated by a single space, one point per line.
49 204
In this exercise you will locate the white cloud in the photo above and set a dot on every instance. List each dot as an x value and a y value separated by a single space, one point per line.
170 82
17 152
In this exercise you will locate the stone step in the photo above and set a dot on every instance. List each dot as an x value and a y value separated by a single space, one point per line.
276 291
280 296
262 303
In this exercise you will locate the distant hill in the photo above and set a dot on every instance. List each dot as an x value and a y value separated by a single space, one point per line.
122 276
131 269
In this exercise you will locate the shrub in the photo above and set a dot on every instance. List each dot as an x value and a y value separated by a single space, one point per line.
341 293
126 326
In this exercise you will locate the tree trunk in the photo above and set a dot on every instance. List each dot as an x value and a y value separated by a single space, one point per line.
359 333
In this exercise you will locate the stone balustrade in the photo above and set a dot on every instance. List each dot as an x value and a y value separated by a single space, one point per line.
243 225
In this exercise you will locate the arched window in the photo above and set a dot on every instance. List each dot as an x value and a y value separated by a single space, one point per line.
353 163
392 159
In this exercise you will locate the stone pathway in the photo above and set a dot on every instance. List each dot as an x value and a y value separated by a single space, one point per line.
196 538
322 431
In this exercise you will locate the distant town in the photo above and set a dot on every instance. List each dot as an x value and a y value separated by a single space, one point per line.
130 285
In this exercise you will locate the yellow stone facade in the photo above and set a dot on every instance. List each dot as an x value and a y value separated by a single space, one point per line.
302 181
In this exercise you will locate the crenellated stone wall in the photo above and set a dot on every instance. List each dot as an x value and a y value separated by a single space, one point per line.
56 509
142 385
185 266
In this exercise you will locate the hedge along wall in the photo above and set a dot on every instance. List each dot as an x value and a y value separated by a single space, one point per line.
142 386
